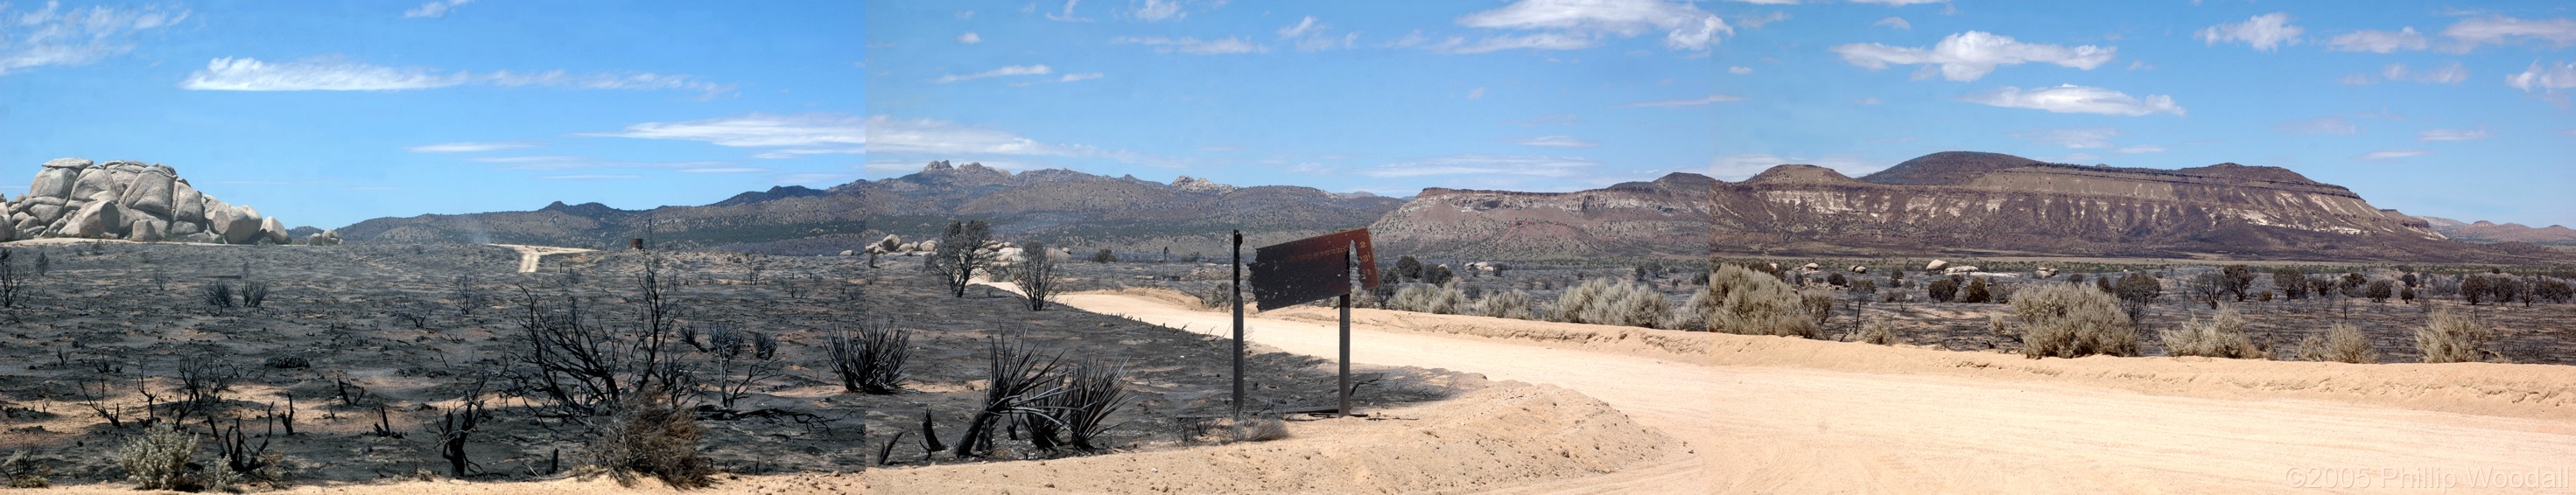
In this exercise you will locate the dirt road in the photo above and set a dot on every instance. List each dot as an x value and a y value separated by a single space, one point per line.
528 255
1794 430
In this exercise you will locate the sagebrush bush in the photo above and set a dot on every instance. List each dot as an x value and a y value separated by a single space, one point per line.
649 437
1743 301
1443 299
2341 343
2071 321
1512 304
2223 336
1604 301
158 459
1877 331
2452 338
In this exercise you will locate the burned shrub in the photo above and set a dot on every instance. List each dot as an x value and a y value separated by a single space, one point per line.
1017 380
650 437
217 296
1037 276
1089 394
18 471
254 293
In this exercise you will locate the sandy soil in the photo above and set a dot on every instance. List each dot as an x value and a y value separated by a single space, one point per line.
1786 415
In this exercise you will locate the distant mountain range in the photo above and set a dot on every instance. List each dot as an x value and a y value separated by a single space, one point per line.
2486 232
1992 204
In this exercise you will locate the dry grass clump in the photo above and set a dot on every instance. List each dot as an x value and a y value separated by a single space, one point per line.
1219 296
1604 301
1742 301
158 459
2341 343
2065 320
2223 336
1262 430
1512 304
1877 331
1444 299
2452 338
649 437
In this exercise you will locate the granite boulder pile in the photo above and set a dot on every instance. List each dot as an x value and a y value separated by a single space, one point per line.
76 198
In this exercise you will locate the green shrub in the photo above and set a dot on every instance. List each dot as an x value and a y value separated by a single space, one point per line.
2069 321
2222 336
158 459
1443 299
1742 301
2341 343
2452 338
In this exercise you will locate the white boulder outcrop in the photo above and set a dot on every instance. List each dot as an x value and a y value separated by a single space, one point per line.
78 198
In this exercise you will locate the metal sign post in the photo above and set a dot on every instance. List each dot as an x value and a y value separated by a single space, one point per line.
1237 297
1311 269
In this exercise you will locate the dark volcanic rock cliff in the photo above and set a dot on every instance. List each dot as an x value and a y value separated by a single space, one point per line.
1985 203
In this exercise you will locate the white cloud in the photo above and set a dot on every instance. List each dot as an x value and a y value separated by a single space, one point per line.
1067 14
2544 77
2320 125
433 9
2431 135
2452 73
2378 41
2263 32
1894 3
886 134
1309 35
246 74
1193 46
2069 98
1007 70
466 147
1757 21
1970 55
970 38
2143 148
2389 155
1479 92
1687 102
1078 77
1307 25
1739 70
1866 101
759 130
1685 26
2077 138
2497 29
79 36
1894 22
1536 41
1485 165
1557 142
1157 10
1740 167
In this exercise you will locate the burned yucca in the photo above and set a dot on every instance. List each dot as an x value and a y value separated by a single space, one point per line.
871 361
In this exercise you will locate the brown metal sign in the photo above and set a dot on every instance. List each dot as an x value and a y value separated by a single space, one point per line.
1310 269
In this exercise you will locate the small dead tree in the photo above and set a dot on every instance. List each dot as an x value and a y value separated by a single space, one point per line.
581 368
961 254
1038 276
742 360
10 281
456 429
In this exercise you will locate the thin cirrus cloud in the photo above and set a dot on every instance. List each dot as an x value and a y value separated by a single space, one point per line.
889 135
2320 125
1971 55
2391 155
434 9
2464 35
1485 165
1007 70
579 162
1192 45
2378 41
2265 32
52 36
785 136
1310 35
1556 142
2452 73
2431 135
1564 22
970 38
1686 102
248 74
467 147
2069 98
1894 22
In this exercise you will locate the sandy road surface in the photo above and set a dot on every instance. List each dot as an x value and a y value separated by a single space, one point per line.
528 255
1797 430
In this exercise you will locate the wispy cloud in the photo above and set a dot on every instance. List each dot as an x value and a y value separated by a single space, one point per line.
2431 135
888 135
2498 30
2320 125
2391 155
723 170
1480 164
2143 148
53 36
1687 102
1078 77
2263 32
1684 25
2069 98
1192 45
247 74
1008 70
2378 41
467 147
1310 35
577 162
1971 55
1557 142
2561 75
970 38
1894 22
808 133
434 9
1067 14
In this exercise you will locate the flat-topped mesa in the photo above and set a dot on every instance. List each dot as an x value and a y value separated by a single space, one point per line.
1663 218
77 198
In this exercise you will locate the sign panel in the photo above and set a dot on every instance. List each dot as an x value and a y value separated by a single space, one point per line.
1310 269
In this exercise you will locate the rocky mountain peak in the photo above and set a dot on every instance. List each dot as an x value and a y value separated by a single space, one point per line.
1194 184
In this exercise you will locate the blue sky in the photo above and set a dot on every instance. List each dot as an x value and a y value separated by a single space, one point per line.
2456 110
327 113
